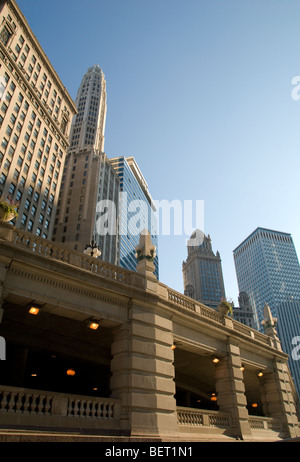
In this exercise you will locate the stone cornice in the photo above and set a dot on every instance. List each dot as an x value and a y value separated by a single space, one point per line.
54 281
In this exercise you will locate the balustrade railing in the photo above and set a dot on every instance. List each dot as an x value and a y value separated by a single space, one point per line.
189 417
200 417
26 402
209 313
47 248
265 423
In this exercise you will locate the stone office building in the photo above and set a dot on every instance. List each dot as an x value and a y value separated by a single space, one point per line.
88 177
35 119
94 349
202 272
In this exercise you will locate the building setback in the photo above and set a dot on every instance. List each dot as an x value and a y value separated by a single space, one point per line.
35 118
88 175
202 273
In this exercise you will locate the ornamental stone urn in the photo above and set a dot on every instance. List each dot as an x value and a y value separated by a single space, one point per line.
7 212
225 308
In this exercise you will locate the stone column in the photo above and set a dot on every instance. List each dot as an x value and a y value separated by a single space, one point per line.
120 370
143 374
231 391
277 398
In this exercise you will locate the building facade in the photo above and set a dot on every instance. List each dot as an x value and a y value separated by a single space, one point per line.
202 273
268 270
88 175
35 118
244 313
136 211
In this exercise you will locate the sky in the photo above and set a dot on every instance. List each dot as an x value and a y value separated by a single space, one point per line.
200 94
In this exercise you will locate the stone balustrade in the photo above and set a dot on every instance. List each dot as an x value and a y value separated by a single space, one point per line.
61 253
200 417
264 423
27 405
190 419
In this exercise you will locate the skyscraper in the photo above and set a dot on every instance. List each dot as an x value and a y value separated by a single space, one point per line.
136 211
267 268
288 327
88 175
88 125
202 273
35 118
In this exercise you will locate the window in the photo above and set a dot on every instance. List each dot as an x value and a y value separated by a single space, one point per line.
24 219
4 108
19 195
27 204
30 225
5 35
4 143
2 179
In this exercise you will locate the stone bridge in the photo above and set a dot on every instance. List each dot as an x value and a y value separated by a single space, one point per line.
93 346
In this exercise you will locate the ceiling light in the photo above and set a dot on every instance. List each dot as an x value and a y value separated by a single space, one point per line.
34 310
215 360
242 368
70 372
260 374
93 325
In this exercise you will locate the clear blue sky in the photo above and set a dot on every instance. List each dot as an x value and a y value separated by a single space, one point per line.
199 92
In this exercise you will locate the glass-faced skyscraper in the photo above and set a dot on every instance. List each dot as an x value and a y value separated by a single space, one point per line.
288 329
136 209
88 175
267 268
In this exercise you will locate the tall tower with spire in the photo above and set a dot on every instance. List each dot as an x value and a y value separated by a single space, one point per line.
202 272
88 176
88 125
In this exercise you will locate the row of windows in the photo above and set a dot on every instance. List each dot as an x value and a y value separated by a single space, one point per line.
20 53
